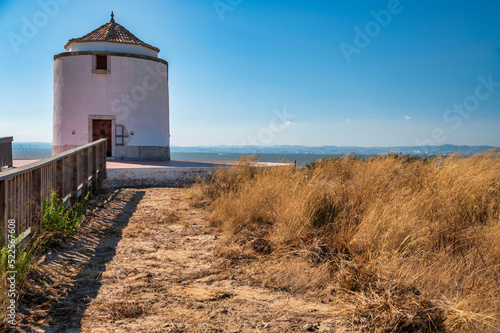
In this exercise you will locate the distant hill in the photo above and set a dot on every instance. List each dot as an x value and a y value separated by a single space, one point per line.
284 149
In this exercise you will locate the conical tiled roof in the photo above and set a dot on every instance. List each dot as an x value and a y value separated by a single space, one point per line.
114 33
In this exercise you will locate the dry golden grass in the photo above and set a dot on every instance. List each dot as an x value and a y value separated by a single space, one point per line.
403 243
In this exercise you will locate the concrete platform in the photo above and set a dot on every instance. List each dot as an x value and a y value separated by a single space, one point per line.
156 173
110 164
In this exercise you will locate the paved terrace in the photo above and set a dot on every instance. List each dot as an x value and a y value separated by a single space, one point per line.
155 173
111 164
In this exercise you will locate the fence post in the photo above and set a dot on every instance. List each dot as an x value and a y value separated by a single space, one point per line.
8 199
102 161
59 178
104 148
3 204
94 169
9 156
98 163
15 208
73 169
85 171
36 195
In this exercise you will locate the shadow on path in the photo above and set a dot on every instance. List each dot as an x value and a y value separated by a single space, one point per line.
88 253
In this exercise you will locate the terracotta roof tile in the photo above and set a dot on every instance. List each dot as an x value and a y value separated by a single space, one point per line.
112 32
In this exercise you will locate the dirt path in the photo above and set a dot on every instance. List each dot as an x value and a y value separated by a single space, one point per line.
144 263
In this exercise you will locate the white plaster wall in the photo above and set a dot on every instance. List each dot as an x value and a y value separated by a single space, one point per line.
135 91
138 177
111 47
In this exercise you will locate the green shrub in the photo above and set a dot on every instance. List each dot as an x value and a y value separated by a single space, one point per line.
59 221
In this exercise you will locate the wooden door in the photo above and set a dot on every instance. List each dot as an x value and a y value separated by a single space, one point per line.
101 129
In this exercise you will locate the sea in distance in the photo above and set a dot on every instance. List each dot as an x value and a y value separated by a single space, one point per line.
301 155
302 159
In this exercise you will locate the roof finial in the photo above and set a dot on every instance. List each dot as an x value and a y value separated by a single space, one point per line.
112 17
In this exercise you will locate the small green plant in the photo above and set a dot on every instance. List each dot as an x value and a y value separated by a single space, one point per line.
59 221
22 261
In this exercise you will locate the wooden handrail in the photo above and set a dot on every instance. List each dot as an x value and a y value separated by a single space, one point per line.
6 151
47 161
71 174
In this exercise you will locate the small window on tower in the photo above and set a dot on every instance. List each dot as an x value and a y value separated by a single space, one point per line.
101 62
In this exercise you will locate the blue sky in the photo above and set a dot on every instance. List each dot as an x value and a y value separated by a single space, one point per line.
371 73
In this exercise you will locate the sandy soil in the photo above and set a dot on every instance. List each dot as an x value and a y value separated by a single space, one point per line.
143 262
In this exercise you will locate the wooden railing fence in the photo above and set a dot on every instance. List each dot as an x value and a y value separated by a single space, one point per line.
71 174
6 152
